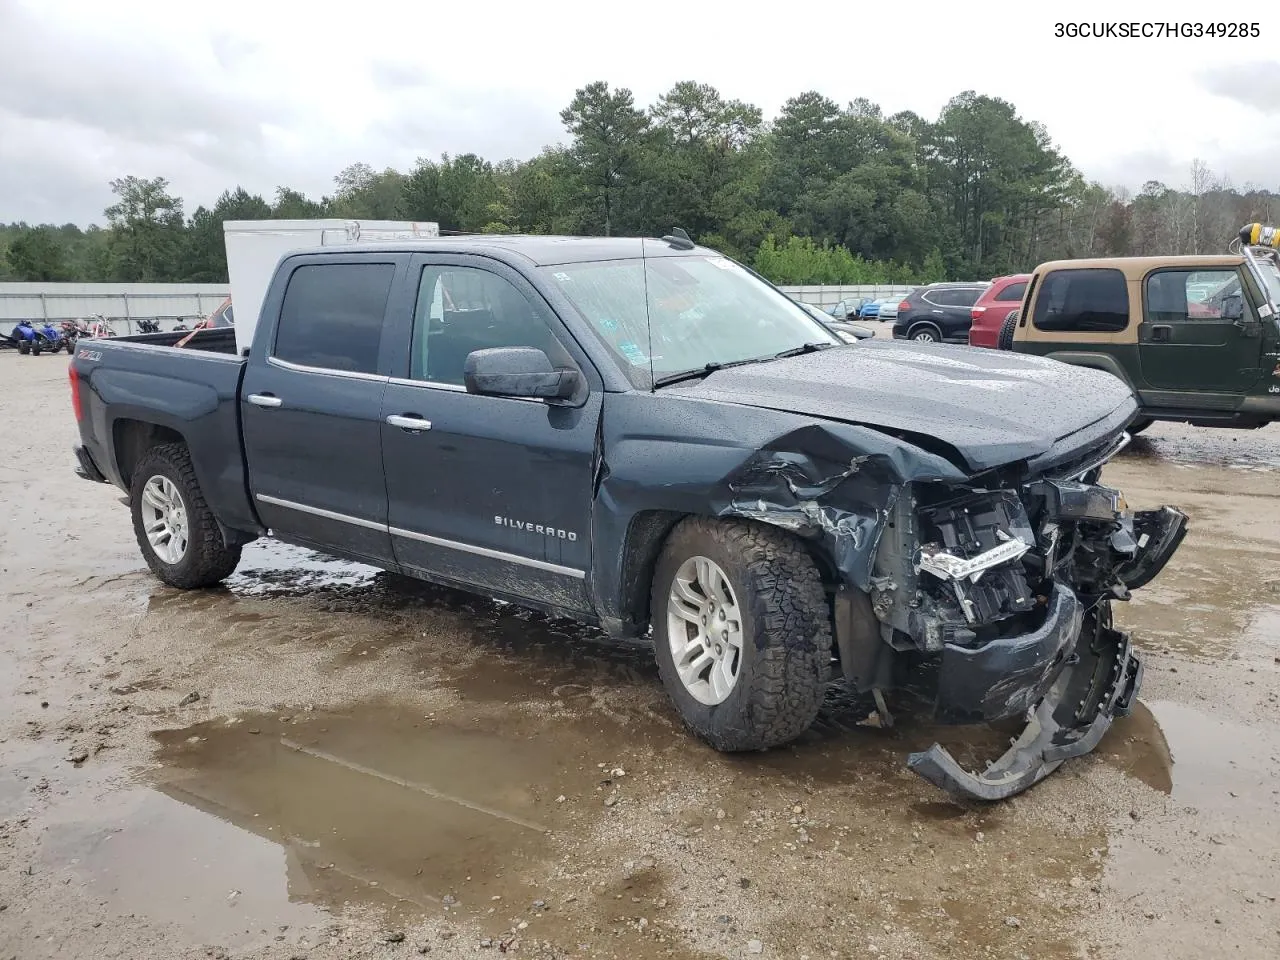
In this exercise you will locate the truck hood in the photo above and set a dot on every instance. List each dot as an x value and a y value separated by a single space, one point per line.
991 407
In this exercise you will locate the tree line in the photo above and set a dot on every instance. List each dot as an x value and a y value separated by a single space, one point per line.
820 194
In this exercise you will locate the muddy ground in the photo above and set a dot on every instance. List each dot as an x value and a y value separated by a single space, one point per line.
377 769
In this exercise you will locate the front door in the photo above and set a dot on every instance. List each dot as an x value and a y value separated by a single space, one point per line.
1192 340
482 490
312 409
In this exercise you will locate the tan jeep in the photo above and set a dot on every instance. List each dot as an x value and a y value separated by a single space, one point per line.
1197 338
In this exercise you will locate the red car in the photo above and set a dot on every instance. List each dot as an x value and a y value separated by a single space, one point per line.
1004 294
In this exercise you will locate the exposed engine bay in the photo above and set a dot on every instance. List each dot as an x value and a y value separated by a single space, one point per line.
999 595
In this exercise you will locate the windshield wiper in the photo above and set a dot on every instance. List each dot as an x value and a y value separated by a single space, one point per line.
711 368
703 371
684 375
813 347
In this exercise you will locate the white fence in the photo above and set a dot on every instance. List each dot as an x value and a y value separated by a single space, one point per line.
827 297
122 304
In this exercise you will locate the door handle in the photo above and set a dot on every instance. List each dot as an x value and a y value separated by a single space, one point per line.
408 422
264 400
1161 333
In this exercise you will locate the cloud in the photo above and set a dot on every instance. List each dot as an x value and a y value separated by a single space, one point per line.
1251 85
251 93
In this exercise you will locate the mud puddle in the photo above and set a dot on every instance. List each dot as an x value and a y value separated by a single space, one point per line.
266 827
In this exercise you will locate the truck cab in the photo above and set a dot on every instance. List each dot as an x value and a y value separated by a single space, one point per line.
1195 337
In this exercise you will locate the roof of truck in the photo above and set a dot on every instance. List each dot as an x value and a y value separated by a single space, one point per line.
1140 266
536 249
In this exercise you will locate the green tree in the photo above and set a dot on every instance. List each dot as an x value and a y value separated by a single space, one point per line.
146 226
366 194
38 254
205 251
607 138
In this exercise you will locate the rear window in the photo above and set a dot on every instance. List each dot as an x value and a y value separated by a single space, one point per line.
1094 300
1013 291
332 316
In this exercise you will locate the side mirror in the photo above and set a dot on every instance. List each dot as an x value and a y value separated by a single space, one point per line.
518 372
1233 307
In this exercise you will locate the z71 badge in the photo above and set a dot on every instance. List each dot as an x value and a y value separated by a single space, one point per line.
89 354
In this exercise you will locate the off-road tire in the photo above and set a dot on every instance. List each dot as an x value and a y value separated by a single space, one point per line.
786 649
24 347
1004 340
914 333
71 347
208 560
36 350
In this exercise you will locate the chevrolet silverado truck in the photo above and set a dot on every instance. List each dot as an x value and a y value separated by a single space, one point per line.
647 436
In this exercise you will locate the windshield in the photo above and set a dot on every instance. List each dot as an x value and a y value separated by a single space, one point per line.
687 311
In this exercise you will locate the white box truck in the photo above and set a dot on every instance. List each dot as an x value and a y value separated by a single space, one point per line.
254 247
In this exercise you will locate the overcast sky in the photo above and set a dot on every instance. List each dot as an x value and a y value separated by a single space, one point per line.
264 93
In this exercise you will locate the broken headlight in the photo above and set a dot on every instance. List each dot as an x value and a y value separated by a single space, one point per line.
971 549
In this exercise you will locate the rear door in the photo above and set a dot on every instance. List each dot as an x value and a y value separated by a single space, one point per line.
483 490
1186 344
311 408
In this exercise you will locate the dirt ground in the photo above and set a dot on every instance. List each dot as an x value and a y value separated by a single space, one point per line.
376 769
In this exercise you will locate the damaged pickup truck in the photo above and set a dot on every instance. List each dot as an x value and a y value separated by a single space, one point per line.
644 435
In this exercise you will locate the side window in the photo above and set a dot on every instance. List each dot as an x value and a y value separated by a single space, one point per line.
1182 296
1094 300
939 298
461 309
332 316
966 296
1013 291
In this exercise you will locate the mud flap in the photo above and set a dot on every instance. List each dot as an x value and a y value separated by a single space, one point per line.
1099 685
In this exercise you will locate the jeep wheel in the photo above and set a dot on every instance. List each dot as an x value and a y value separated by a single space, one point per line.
176 530
925 333
1004 340
742 632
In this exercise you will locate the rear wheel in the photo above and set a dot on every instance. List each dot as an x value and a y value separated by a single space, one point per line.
71 347
1004 340
925 333
24 347
741 631
177 532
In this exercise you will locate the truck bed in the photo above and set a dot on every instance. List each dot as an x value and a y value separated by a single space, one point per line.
214 340
138 390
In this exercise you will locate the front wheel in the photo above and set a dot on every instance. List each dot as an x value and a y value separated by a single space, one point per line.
926 334
742 632
176 530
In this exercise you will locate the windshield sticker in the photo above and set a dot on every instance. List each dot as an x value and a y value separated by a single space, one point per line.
723 263
633 353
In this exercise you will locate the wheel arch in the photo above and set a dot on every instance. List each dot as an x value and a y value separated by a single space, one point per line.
131 439
648 533
917 324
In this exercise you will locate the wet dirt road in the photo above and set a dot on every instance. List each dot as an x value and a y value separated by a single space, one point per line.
378 769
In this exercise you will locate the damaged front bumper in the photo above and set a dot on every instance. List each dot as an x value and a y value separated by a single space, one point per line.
1070 678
